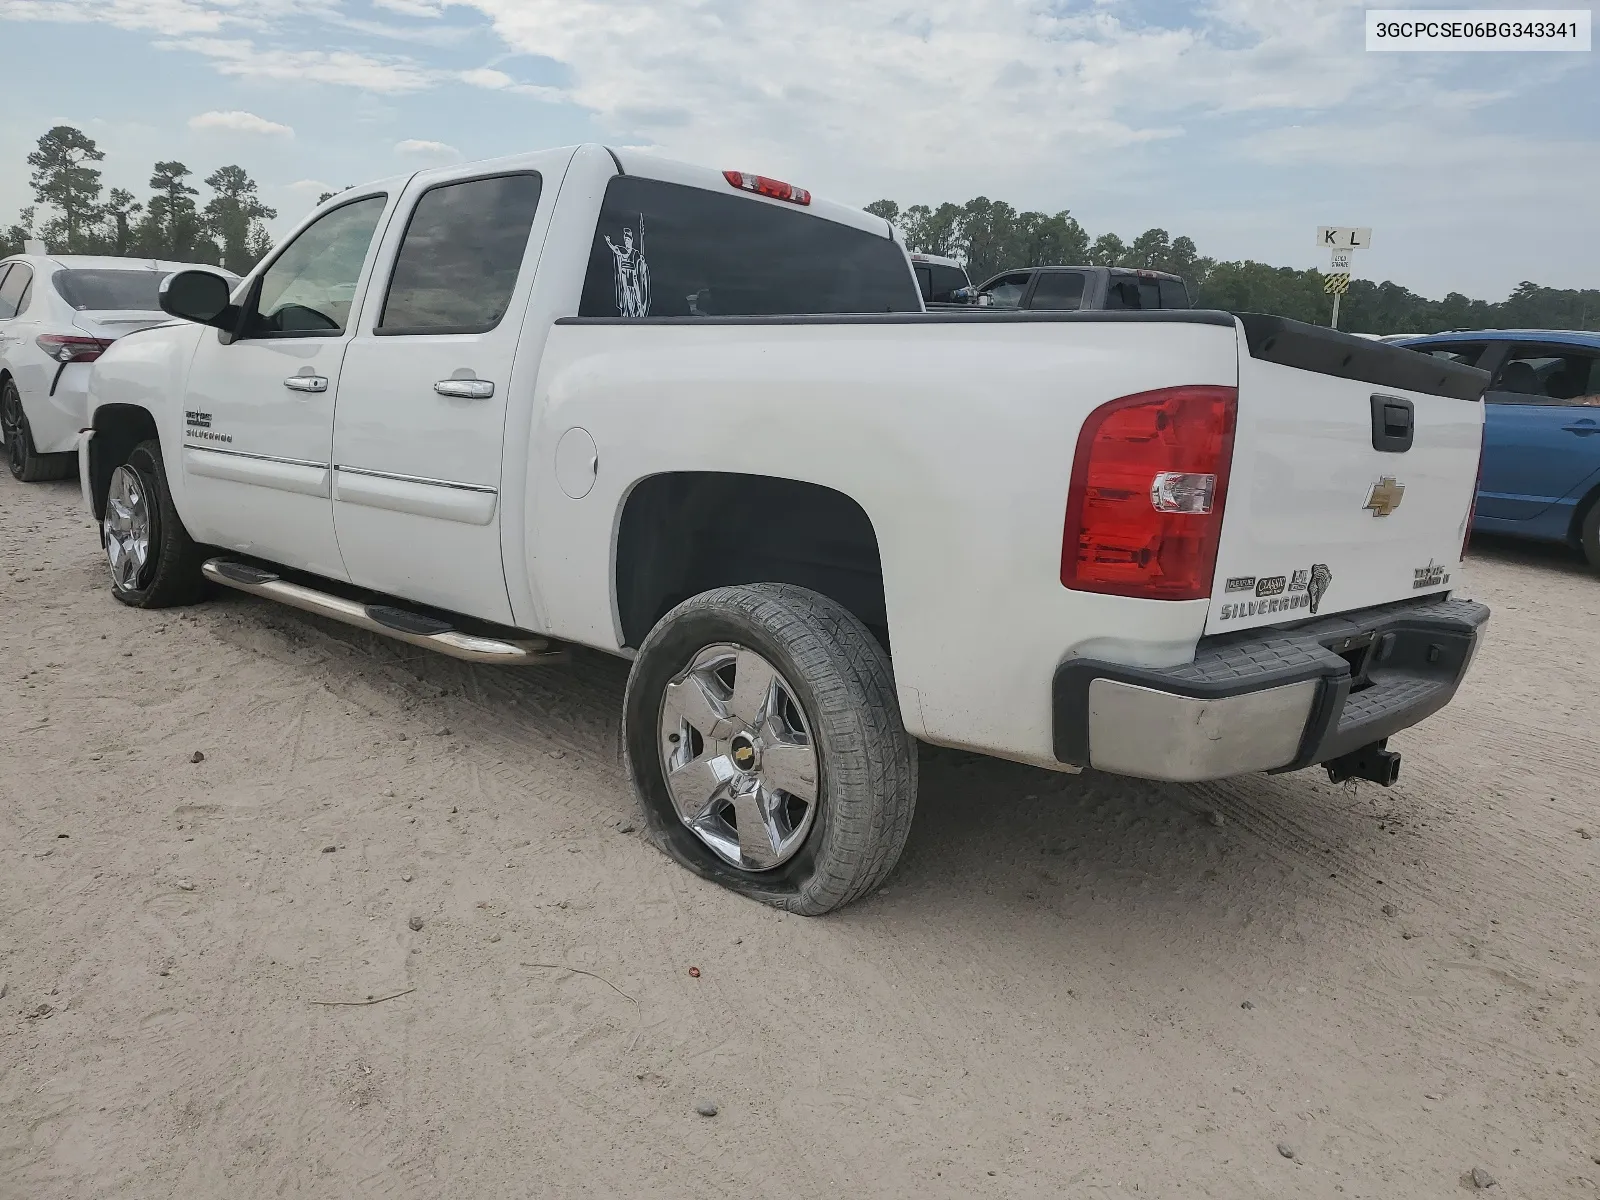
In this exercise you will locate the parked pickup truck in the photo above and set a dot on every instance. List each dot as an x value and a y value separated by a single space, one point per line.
1071 289
700 420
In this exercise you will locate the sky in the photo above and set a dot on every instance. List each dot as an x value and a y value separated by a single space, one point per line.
1244 124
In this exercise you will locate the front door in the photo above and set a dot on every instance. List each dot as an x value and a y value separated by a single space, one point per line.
420 424
258 409
1542 429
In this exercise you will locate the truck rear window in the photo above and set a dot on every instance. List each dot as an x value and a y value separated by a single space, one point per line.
1146 292
94 290
666 250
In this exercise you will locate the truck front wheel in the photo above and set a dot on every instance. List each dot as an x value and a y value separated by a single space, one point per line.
766 746
154 562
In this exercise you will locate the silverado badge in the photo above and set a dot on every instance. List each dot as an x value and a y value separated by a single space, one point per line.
1384 496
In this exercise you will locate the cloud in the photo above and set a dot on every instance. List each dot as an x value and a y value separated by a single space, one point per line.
239 122
420 148
387 74
487 77
410 8
310 187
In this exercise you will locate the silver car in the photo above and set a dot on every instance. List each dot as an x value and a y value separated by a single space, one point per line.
58 313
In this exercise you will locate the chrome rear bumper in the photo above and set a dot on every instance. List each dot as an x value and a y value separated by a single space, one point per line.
1268 700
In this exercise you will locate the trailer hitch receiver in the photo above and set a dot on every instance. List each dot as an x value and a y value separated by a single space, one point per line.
1371 761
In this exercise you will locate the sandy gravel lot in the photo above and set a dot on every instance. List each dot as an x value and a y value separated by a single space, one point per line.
1084 987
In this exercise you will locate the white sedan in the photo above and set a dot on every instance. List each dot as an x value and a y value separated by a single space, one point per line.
58 313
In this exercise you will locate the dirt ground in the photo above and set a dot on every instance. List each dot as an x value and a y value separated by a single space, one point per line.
1072 986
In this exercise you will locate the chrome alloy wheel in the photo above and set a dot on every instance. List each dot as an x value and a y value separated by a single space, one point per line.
739 760
127 527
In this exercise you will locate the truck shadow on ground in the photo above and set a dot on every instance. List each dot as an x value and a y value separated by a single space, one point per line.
989 835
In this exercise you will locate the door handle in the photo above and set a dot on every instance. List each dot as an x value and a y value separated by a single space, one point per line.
306 383
1582 428
465 389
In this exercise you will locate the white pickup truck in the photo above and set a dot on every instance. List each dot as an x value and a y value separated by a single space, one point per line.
701 420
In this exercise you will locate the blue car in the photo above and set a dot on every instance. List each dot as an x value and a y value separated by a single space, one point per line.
1541 449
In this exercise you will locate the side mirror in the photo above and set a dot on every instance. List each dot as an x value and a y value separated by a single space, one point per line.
199 296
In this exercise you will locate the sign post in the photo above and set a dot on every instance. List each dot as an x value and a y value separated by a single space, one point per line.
1339 241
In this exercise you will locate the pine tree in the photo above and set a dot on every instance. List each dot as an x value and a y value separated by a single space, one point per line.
63 178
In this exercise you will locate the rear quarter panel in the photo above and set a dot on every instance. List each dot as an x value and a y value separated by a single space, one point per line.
956 438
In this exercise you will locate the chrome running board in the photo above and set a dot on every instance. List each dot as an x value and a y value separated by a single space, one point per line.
403 625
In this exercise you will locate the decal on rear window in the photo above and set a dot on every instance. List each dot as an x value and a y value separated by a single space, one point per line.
632 272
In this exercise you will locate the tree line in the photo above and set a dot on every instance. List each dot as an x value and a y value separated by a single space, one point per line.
991 236
73 214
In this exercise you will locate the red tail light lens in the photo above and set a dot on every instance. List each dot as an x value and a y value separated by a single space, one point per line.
773 189
1148 485
66 349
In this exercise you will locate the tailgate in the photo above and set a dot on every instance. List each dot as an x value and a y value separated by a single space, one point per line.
1328 508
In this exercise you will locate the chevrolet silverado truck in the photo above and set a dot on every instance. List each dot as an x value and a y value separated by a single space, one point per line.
701 420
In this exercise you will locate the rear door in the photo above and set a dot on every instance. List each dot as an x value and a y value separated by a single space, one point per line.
1542 442
1352 476
420 426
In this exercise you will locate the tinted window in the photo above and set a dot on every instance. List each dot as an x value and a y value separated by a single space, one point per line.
459 261
14 290
1059 290
1549 375
946 282
309 288
1122 292
924 279
1173 293
1006 291
665 250
94 290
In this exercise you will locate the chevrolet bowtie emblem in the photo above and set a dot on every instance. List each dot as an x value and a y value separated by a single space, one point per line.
1384 496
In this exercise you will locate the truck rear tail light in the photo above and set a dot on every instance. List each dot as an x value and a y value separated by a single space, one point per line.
772 189
1144 513
65 348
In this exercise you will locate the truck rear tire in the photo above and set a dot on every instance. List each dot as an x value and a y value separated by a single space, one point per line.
766 748
154 562
25 463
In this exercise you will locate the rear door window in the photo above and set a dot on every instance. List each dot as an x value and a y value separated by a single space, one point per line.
460 257
1549 374
1059 290
668 250
1007 291
14 289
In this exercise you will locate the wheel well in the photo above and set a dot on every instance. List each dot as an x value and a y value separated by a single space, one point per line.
118 428
687 532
